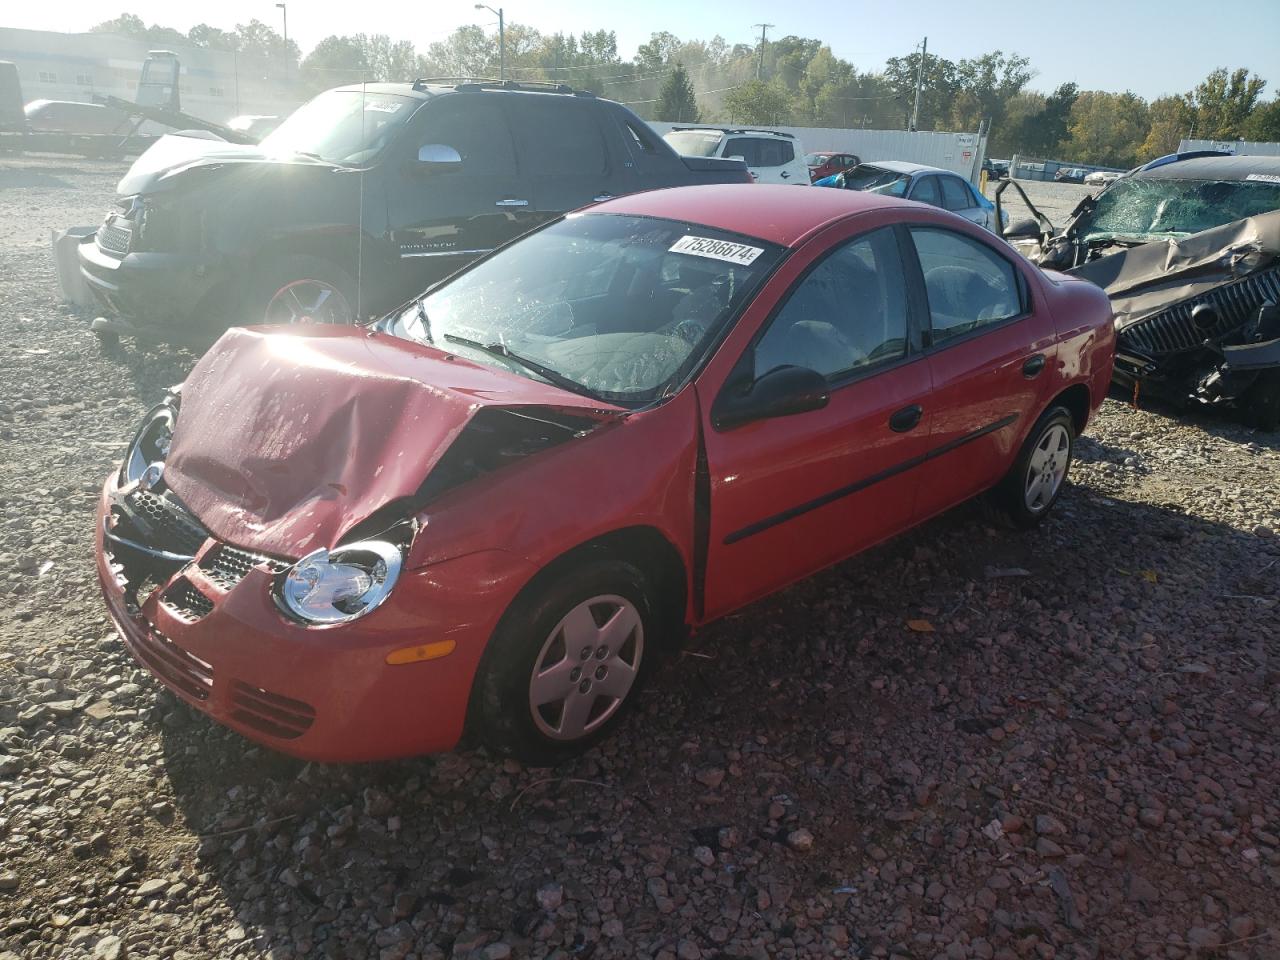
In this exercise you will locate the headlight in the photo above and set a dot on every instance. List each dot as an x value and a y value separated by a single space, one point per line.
339 585
150 444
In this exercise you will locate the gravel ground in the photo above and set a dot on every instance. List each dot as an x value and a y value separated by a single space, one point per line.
1072 754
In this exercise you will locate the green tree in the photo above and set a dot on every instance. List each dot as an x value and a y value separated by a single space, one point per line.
467 52
676 101
938 87
335 60
758 102
125 25
1264 123
1222 102
1170 120
203 35
1107 128
256 39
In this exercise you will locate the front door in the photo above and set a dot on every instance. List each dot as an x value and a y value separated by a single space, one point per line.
793 494
990 357
445 215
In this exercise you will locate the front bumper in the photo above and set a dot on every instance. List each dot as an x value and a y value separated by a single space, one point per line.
162 294
322 694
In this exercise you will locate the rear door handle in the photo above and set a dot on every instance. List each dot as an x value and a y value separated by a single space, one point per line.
1032 366
601 197
512 202
785 175
906 419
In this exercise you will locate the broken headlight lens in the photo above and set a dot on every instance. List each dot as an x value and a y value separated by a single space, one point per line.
339 585
150 444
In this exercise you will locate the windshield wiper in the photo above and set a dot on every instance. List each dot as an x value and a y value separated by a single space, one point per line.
426 321
546 373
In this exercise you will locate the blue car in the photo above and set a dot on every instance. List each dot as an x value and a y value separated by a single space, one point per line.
915 181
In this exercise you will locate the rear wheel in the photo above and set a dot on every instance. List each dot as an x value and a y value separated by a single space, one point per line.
1035 481
566 662
303 289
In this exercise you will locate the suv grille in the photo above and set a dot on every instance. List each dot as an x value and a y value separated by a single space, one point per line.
113 238
1171 331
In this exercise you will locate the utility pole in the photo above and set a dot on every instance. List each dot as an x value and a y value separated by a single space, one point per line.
915 111
284 12
764 27
502 40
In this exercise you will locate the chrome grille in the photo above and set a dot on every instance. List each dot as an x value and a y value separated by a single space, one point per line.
113 238
1171 331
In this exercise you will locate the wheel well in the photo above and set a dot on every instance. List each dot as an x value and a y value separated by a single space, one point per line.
647 548
1076 399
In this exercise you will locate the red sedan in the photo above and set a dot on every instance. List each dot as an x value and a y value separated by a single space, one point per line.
497 507
824 163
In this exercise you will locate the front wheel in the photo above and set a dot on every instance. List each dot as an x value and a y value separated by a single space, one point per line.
303 289
565 663
1035 481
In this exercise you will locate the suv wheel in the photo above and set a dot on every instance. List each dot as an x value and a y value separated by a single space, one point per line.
303 289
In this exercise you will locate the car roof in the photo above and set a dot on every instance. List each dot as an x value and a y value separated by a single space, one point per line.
904 166
784 214
1213 168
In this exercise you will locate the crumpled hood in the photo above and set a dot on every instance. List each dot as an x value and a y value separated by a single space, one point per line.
174 152
1146 279
288 437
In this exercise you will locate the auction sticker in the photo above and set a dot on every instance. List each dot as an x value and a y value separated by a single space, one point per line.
1264 177
716 249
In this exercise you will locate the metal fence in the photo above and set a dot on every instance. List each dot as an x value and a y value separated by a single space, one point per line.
1028 168
961 152
1240 148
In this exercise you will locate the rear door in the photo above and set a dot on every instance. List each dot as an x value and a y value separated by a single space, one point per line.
770 159
444 216
991 352
958 198
561 146
925 190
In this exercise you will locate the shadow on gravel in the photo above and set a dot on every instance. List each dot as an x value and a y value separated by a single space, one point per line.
867 704
19 179
1223 423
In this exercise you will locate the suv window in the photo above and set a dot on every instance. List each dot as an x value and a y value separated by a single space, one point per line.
955 195
968 285
848 313
476 127
926 191
761 151
557 134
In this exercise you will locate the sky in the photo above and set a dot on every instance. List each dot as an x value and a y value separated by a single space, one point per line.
1152 47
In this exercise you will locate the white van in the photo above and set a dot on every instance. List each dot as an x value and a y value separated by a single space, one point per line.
772 157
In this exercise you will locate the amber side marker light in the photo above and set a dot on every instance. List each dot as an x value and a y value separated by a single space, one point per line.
423 651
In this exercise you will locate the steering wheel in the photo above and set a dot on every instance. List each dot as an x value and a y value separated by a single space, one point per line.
690 331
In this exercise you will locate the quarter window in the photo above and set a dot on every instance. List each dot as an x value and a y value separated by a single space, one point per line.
926 191
955 194
847 314
969 286
558 135
761 151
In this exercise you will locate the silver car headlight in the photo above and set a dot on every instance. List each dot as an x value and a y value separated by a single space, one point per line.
339 585
150 444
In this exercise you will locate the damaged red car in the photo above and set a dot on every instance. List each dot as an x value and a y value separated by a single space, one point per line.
494 510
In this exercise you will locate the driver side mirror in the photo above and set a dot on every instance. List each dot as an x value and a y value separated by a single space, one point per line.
436 157
781 392
1025 229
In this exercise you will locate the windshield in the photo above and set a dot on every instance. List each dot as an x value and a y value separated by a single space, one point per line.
875 180
814 159
694 143
1138 207
619 307
342 126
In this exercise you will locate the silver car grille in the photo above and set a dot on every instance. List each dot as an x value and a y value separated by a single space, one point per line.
1171 330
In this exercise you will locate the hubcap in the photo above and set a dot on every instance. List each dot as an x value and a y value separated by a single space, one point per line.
1047 468
308 301
586 667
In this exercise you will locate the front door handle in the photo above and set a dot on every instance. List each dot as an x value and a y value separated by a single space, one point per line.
512 202
1032 366
908 418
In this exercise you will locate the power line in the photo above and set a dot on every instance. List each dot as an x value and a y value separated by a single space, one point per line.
696 93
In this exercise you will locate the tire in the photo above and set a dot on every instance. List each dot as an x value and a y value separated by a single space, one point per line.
302 289
536 696
107 340
1262 402
1047 453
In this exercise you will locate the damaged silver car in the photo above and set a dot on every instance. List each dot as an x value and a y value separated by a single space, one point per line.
1188 250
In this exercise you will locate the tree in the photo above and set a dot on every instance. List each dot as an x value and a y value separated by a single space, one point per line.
256 39
676 101
1221 103
333 61
1264 122
1107 128
757 102
938 87
203 35
125 25
1170 119
467 52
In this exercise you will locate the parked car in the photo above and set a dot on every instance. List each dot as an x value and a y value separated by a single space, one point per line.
999 168
1070 174
1101 178
825 163
352 543
1188 247
915 181
72 116
771 156
358 200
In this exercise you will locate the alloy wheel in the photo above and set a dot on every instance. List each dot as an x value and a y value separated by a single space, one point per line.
1047 467
586 667
308 301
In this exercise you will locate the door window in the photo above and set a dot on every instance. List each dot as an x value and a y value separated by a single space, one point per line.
558 135
476 127
847 314
761 151
955 194
926 191
968 285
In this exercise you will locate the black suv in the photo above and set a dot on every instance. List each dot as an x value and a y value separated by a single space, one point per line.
361 198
